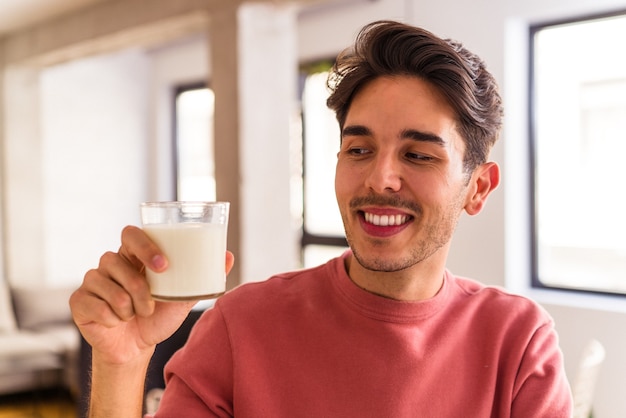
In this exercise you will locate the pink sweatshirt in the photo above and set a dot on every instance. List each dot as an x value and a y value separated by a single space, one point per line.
312 344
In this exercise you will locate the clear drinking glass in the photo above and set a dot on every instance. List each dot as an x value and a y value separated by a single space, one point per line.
192 235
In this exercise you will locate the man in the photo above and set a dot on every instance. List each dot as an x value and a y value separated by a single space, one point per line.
383 331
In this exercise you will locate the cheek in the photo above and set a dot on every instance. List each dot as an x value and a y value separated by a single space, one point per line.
339 180
437 193
348 183
343 181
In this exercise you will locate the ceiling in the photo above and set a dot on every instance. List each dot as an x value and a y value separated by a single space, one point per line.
18 14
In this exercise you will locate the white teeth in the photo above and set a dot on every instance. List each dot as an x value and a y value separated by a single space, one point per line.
385 220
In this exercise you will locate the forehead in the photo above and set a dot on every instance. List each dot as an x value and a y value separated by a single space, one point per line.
392 104
402 96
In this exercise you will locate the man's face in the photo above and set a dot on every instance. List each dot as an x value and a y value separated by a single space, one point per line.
400 182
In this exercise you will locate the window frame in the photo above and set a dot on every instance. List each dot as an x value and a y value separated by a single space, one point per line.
533 29
177 90
309 238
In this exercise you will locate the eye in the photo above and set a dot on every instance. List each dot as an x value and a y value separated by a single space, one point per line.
418 157
357 151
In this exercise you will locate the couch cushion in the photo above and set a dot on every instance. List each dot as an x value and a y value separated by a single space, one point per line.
26 343
7 316
39 308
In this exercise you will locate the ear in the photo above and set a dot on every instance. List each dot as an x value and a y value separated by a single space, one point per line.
485 179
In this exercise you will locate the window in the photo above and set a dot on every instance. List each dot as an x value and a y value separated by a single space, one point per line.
578 140
194 162
323 234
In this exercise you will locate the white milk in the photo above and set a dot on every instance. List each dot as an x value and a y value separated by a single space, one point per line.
196 255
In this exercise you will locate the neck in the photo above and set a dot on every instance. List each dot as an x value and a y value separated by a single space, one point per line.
419 282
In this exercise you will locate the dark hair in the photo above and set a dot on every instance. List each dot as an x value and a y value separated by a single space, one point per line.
387 48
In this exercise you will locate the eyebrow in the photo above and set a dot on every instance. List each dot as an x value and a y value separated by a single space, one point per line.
356 130
413 134
422 136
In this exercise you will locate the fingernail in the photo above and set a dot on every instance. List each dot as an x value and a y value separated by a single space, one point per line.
158 262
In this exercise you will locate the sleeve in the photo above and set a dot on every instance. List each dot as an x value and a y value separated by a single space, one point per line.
541 388
199 377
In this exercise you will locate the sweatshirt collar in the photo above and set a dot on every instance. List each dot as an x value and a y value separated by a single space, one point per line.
382 308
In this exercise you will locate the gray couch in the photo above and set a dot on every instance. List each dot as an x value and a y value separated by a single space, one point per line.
39 344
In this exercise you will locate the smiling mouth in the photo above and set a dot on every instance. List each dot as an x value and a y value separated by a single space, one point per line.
386 220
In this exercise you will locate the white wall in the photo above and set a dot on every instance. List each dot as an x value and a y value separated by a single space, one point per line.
94 166
101 145
67 195
267 109
22 177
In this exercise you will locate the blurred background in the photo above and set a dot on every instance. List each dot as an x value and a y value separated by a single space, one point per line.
108 103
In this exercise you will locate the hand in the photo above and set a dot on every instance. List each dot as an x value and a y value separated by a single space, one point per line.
113 308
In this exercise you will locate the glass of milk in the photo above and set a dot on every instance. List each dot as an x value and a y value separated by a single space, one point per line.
192 235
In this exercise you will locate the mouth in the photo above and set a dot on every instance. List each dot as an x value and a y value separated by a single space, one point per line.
382 217
383 223
385 220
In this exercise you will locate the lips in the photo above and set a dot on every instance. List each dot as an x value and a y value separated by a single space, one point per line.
382 223
384 216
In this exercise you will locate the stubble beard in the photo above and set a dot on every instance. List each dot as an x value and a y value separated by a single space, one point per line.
435 235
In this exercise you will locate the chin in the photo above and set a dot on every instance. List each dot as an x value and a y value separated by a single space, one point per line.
379 261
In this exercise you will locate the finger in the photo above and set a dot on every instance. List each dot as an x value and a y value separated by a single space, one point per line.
87 309
92 303
230 261
141 251
122 286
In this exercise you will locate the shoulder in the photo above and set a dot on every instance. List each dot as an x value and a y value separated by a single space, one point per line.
281 291
281 283
521 329
494 301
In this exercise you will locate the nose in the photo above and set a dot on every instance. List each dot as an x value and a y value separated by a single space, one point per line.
384 174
